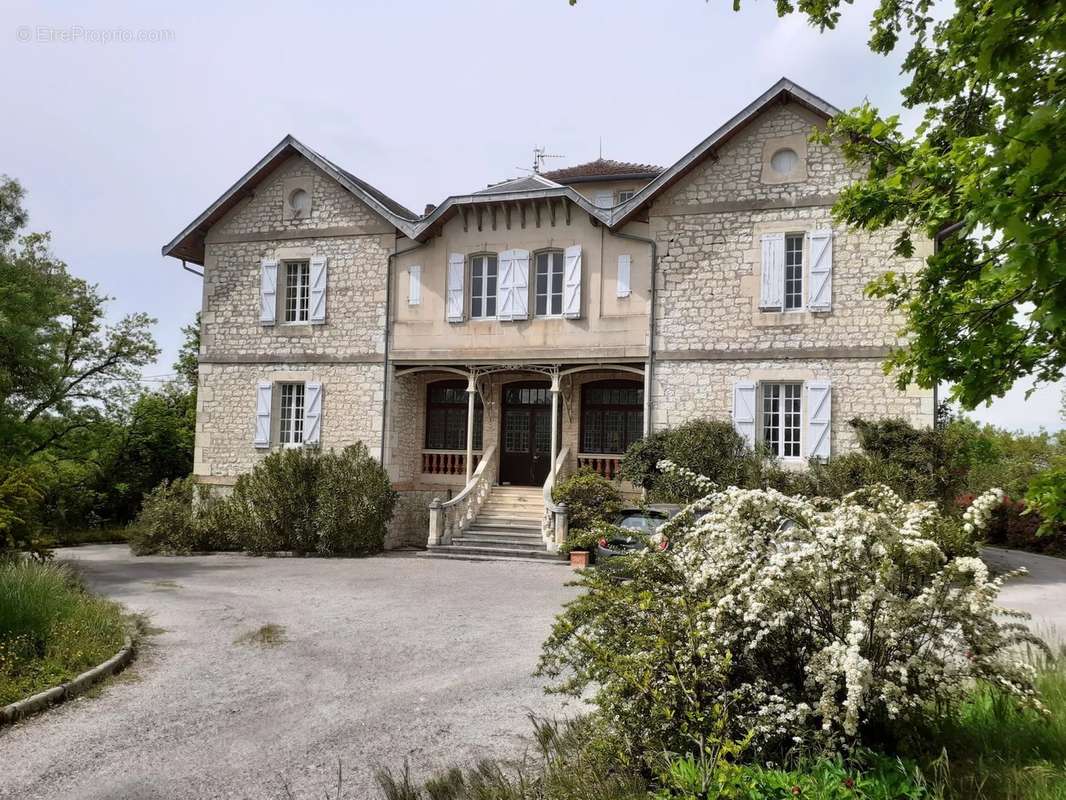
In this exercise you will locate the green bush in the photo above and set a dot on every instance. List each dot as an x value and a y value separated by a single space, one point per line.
302 501
355 503
50 628
708 447
589 498
166 524
20 498
281 492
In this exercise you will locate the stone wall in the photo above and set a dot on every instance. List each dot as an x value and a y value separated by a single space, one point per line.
686 390
226 406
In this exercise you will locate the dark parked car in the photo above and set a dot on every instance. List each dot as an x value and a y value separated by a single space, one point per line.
643 522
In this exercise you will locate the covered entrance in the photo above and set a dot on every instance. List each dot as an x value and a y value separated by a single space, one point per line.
526 433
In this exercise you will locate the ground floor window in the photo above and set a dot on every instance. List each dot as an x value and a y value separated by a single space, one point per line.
612 416
781 413
291 429
446 414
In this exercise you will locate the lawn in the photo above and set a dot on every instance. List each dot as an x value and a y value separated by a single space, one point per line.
51 628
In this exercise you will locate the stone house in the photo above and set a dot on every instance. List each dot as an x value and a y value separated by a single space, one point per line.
508 336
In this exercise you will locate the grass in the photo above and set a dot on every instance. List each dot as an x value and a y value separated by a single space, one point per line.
996 752
269 635
51 629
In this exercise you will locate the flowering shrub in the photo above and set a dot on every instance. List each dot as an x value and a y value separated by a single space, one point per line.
807 622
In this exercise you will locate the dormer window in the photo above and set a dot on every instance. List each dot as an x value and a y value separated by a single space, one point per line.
625 194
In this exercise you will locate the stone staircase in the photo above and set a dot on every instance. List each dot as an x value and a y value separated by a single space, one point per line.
508 526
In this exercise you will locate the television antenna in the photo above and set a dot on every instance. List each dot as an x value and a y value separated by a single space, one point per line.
540 154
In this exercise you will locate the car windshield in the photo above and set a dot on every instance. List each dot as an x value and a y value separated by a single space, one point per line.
643 522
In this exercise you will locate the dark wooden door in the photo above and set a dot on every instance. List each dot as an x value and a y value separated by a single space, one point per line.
525 434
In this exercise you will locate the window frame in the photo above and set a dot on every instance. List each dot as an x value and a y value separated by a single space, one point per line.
801 278
302 294
431 405
766 387
472 262
296 413
618 195
561 275
604 408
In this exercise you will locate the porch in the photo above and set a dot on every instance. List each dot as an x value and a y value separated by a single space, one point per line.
460 431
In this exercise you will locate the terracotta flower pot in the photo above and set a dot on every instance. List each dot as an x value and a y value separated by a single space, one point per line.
579 559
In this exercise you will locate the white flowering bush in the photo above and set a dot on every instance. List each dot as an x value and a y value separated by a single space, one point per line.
805 622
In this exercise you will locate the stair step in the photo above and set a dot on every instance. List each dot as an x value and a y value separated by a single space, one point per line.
517 527
508 542
513 534
442 554
524 519
495 551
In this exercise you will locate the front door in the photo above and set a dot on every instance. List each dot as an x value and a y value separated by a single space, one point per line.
526 434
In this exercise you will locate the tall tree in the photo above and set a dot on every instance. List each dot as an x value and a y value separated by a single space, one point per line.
984 175
61 363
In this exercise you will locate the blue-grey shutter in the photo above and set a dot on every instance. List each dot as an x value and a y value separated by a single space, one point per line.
772 292
572 282
744 410
820 294
263 393
318 290
819 418
456 271
268 290
312 413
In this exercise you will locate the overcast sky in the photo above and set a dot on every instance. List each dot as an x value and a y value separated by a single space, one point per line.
120 144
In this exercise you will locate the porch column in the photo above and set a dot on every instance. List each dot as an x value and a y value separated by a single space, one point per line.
555 424
471 390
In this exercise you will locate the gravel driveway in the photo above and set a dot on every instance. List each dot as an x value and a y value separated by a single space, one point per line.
383 659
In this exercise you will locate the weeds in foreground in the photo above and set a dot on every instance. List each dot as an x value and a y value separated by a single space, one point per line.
269 635
51 629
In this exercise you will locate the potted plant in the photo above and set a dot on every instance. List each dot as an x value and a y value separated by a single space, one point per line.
579 545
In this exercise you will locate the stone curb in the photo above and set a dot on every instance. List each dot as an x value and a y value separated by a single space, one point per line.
72 688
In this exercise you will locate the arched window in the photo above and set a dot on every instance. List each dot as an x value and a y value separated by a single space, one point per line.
446 416
612 415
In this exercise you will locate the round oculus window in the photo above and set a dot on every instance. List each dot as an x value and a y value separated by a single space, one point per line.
299 202
784 161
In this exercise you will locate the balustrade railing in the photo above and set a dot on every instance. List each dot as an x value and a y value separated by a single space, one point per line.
449 519
604 464
446 462
555 527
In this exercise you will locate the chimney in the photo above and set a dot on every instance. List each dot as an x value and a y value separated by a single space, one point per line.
429 209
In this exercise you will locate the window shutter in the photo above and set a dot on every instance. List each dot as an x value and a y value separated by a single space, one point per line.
519 284
772 296
312 413
505 277
456 270
268 290
572 283
819 418
414 285
318 290
622 286
604 199
263 397
820 297
744 410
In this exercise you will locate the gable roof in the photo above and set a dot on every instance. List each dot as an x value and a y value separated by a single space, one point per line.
189 244
603 169
783 91
523 184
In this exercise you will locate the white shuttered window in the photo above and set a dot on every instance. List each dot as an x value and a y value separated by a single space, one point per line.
456 272
622 288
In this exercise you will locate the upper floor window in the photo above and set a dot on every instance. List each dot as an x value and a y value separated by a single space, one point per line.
625 194
781 412
297 291
793 270
549 284
291 417
612 416
446 416
483 278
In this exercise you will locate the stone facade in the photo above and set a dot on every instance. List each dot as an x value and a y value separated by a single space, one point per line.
710 331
